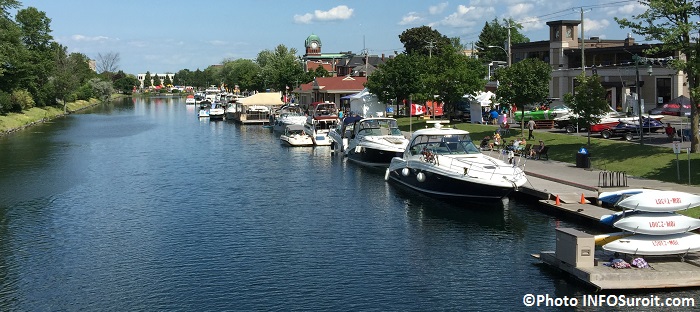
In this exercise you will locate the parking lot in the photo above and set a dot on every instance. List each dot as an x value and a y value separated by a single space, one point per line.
654 138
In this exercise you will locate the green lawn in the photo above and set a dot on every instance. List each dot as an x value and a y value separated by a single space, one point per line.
648 161
13 121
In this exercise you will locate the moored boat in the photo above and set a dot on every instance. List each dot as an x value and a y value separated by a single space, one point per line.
294 135
321 121
444 162
217 112
375 142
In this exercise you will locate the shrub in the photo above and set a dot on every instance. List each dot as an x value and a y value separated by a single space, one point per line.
5 103
21 99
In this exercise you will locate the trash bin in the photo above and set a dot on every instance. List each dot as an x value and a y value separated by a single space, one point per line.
583 159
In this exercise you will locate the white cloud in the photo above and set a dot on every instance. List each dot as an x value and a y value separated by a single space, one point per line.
341 12
628 10
304 19
520 9
410 18
80 38
437 9
217 42
463 17
595 25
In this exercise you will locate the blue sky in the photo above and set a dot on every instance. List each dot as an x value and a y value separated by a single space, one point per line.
166 36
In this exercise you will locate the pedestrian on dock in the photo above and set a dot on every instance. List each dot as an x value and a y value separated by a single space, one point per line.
530 127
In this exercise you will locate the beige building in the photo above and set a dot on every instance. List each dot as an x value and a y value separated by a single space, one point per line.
612 60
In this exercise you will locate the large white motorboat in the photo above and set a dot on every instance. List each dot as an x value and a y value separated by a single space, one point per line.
445 163
216 112
294 135
287 115
375 141
322 120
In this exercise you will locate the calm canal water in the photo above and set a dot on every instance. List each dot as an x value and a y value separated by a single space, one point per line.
139 206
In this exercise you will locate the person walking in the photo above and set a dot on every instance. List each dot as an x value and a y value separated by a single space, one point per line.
530 128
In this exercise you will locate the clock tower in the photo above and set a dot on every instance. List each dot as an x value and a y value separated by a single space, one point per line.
313 45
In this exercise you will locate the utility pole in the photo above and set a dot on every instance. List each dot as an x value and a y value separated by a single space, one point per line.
431 45
636 59
509 51
583 47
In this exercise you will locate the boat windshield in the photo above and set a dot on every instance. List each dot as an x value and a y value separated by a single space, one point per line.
447 144
378 127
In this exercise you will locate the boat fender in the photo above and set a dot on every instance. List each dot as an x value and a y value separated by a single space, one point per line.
421 177
386 174
405 172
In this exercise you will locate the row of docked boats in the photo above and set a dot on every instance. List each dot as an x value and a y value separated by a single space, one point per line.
439 161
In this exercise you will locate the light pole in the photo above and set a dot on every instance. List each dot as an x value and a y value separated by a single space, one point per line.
638 59
504 50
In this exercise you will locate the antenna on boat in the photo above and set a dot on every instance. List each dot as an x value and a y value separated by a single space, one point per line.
437 123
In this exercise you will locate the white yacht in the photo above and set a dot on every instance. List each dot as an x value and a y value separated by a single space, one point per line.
216 112
375 142
287 115
322 120
294 135
445 163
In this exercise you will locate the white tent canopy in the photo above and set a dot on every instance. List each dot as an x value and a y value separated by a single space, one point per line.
267 98
365 104
476 111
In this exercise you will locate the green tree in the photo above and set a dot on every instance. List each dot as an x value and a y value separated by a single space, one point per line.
147 80
156 81
451 75
126 84
423 40
524 82
496 34
398 78
279 68
64 81
588 101
167 81
40 62
103 89
673 23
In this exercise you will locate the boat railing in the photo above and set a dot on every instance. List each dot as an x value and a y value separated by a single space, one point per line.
471 169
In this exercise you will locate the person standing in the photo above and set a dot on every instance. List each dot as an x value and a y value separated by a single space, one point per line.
530 128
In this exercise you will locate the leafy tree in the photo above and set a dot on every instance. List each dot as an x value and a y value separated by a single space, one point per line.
126 84
423 40
39 64
496 34
321 72
588 101
241 72
64 81
13 53
524 82
103 89
673 23
147 80
279 68
156 81
451 75
398 78
183 78
167 81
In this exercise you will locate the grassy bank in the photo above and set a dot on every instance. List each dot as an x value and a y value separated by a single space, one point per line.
15 121
648 161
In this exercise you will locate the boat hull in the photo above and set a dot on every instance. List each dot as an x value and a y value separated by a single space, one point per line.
296 141
371 156
441 186
655 245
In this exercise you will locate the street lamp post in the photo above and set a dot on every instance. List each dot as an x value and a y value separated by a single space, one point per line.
637 59
504 50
